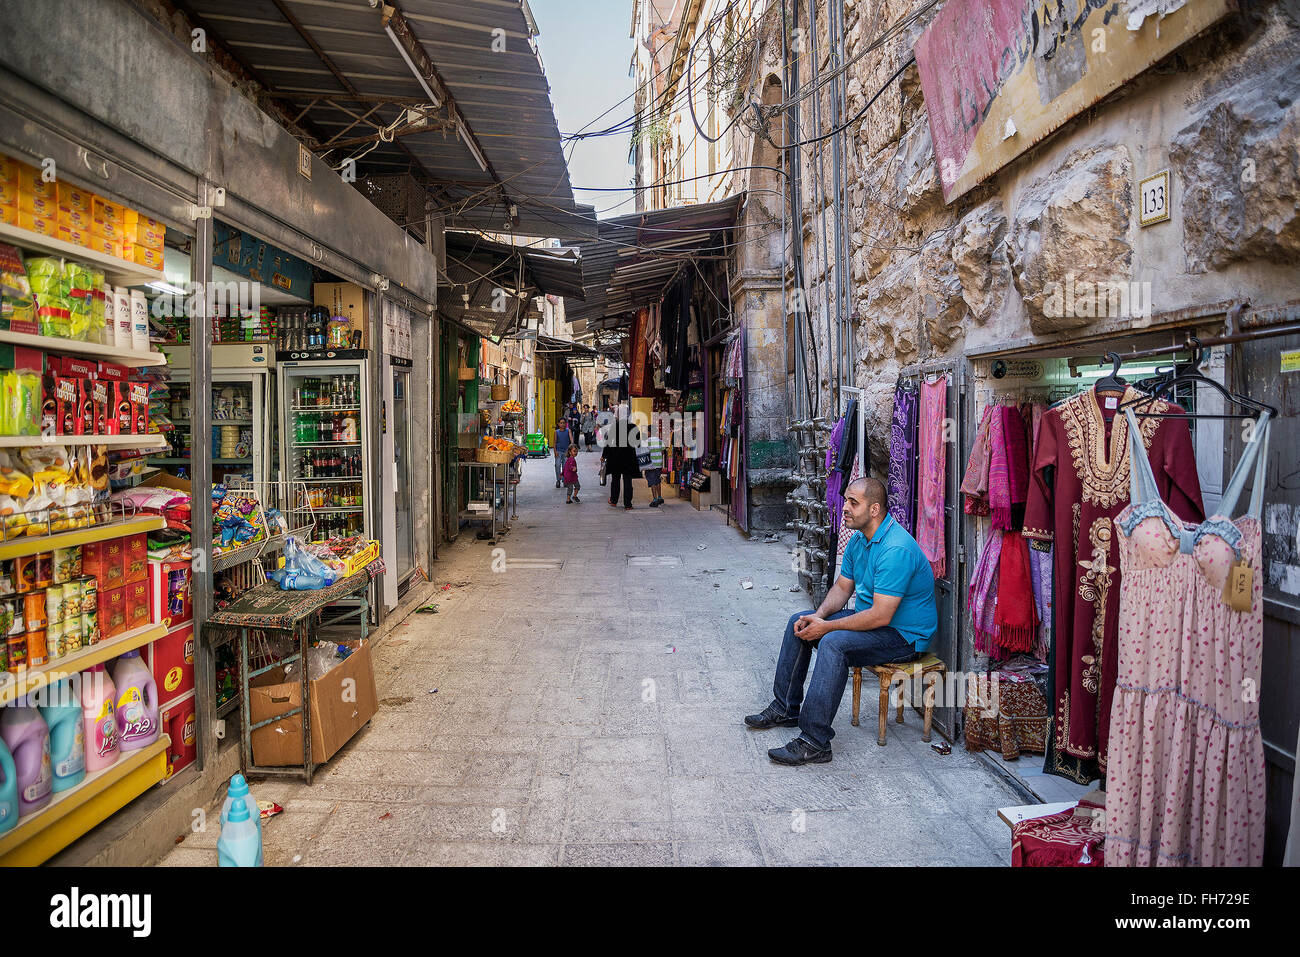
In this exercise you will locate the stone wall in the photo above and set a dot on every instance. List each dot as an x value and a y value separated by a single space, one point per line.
931 281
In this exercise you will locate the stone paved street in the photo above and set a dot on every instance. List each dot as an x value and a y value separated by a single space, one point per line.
565 730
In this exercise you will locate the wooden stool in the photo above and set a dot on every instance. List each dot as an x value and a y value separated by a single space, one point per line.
928 666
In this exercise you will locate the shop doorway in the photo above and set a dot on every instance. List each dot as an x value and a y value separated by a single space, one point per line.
404 524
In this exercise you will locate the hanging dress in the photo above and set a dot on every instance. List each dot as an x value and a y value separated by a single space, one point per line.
1186 781
1079 483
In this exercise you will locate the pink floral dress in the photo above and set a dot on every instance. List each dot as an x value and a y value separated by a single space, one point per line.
1186 775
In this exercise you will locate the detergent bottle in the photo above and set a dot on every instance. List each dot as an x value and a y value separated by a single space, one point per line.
240 844
8 789
67 735
137 702
98 697
25 733
239 789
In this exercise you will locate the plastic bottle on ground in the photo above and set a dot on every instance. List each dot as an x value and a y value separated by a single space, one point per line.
239 789
240 843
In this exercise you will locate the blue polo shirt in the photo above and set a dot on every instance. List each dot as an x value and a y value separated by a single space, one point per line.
892 563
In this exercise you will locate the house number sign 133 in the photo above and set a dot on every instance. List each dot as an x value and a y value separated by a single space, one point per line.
1154 193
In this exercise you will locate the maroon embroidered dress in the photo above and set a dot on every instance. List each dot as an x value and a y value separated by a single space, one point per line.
1087 446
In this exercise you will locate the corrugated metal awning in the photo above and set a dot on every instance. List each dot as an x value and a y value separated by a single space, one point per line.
491 285
637 256
334 69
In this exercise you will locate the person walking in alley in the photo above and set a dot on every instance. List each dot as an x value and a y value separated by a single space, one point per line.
655 470
563 439
619 455
589 427
894 620
575 423
571 483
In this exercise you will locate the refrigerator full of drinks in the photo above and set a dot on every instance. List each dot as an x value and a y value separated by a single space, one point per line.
324 441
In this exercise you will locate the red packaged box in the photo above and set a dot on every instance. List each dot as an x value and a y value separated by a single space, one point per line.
137 558
114 372
161 605
112 613
101 408
73 367
137 605
171 659
138 393
179 722
112 564
65 405
85 424
49 410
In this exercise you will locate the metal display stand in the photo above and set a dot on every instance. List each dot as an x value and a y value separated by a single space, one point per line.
496 477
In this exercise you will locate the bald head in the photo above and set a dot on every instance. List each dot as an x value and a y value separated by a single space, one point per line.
865 504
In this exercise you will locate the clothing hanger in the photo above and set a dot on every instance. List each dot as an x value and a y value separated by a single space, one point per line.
1113 382
1193 375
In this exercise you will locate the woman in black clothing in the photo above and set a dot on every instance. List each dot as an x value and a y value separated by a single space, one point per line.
619 455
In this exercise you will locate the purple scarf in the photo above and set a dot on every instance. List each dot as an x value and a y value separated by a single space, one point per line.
1040 570
902 459
834 500
982 596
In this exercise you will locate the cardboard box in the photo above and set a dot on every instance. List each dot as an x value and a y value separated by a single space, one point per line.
160 604
76 198
179 722
171 659
149 258
334 720
112 611
106 561
9 214
34 205
137 605
345 299
75 217
137 558
45 225
11 169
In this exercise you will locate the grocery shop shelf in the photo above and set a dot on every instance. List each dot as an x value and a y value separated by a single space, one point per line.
16 684
123 357
72 813
117 271
35 544
157 441
325 445
325 408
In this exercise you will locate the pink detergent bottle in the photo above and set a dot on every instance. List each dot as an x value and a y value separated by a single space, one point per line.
137 702
98 697
28 739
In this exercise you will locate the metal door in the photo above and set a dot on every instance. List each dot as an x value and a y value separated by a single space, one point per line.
1256 371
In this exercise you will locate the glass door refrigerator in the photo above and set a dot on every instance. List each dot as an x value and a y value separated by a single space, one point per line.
241 408
325 441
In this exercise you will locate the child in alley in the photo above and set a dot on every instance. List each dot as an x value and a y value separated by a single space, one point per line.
571 483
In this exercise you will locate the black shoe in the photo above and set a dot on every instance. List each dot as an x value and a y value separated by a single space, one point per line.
771 717
799 752
627 508
654 503
557 484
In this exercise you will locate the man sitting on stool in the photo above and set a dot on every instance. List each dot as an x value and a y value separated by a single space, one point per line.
894 621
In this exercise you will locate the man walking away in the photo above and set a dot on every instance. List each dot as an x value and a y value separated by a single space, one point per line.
620 458
561 449
894 620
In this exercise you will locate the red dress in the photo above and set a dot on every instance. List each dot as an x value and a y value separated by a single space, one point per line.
1087 446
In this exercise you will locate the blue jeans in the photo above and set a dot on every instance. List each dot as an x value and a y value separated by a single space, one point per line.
837 651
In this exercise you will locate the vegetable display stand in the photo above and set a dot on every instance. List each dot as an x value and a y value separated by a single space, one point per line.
295 615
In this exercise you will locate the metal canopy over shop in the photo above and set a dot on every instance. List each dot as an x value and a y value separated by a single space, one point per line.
575 353
637 256
491 285
449 95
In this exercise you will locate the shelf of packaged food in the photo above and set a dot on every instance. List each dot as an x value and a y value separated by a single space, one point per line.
325 408
36 544
330 509
73 812
325 445
123 357
330 478
16 684
218 421
119 272
155 441
186 461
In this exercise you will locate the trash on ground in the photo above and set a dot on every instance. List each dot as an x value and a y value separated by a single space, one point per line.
796 588
670 649
701 547
269 809
433 691
386 815
770 539
427 610
942 747
746 583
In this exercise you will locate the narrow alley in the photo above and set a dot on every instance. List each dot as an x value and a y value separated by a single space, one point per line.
553 713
